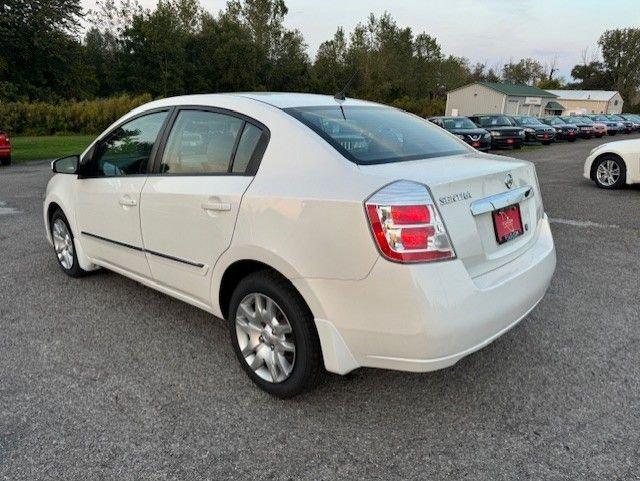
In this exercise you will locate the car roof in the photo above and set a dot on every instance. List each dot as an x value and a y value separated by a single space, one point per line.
285 100
280 100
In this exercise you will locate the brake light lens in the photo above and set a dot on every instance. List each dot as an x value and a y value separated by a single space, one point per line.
406 224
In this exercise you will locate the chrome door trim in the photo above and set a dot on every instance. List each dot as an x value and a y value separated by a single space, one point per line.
498 201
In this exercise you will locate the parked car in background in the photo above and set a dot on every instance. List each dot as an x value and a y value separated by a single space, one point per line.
614 164
614 127
585 129
634 119
599 129
504 131
466 130
627 126
331 234
534 130
564 130
5 149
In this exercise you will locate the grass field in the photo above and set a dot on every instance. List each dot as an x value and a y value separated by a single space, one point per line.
54 146
48 147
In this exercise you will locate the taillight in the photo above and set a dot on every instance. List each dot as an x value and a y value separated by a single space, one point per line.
406 224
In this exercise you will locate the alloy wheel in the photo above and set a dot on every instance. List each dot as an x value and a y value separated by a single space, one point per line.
63 243
265 338
608 173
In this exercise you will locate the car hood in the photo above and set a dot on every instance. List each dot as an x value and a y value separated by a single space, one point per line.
539 128
468 131
630 145
504 128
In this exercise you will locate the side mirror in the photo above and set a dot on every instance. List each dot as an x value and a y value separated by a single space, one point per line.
66 165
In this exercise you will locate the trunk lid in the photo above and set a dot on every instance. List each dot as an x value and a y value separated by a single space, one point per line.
456 182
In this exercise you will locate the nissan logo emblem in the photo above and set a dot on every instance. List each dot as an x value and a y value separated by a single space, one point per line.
508 181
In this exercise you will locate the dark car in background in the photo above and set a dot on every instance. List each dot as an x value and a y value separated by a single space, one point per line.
504 131
634 119
564 131
534 130
613 126
585 128
466 130
627 126
5 149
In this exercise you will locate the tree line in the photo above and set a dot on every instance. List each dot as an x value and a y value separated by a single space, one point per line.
53 51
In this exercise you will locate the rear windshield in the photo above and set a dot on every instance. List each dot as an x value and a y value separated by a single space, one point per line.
375 135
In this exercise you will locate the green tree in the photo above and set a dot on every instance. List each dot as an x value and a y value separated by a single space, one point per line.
41 56
621 59
527 71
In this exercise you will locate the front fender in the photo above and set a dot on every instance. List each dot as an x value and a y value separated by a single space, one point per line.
61 192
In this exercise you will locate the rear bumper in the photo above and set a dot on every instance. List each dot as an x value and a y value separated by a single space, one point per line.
5 151
427 316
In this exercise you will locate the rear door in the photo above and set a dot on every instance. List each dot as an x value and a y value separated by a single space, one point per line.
189 206
108 193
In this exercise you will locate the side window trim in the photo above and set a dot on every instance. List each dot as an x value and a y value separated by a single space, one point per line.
256 158
150 163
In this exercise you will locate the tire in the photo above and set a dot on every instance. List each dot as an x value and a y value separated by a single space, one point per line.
612 164
263 347
5 161
64 247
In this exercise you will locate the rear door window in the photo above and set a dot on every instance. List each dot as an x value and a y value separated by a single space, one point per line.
246 147
200 142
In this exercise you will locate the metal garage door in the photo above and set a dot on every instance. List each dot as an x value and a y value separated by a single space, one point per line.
512 107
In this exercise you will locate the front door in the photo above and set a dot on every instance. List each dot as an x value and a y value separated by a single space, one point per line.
108 194
189 207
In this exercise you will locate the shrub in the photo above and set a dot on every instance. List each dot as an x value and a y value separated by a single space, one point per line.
85 117
421 107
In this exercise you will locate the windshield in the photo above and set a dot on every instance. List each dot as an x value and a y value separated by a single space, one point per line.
615 117
555 121
495 121
459 123
374 135
528 121
582 120
601 118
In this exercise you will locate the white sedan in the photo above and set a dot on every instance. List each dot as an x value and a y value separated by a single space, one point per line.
614 164
329 233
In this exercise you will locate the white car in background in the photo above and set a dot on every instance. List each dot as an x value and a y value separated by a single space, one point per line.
329 233
614 164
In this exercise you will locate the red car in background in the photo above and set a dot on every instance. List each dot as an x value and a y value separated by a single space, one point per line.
5 149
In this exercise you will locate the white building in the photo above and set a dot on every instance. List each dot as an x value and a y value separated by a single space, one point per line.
589 101
499 98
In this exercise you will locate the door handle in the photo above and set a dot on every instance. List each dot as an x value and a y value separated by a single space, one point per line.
127 201
216 206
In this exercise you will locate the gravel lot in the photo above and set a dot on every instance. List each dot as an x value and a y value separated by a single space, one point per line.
104 378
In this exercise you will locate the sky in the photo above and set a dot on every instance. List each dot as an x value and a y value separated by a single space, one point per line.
489 31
